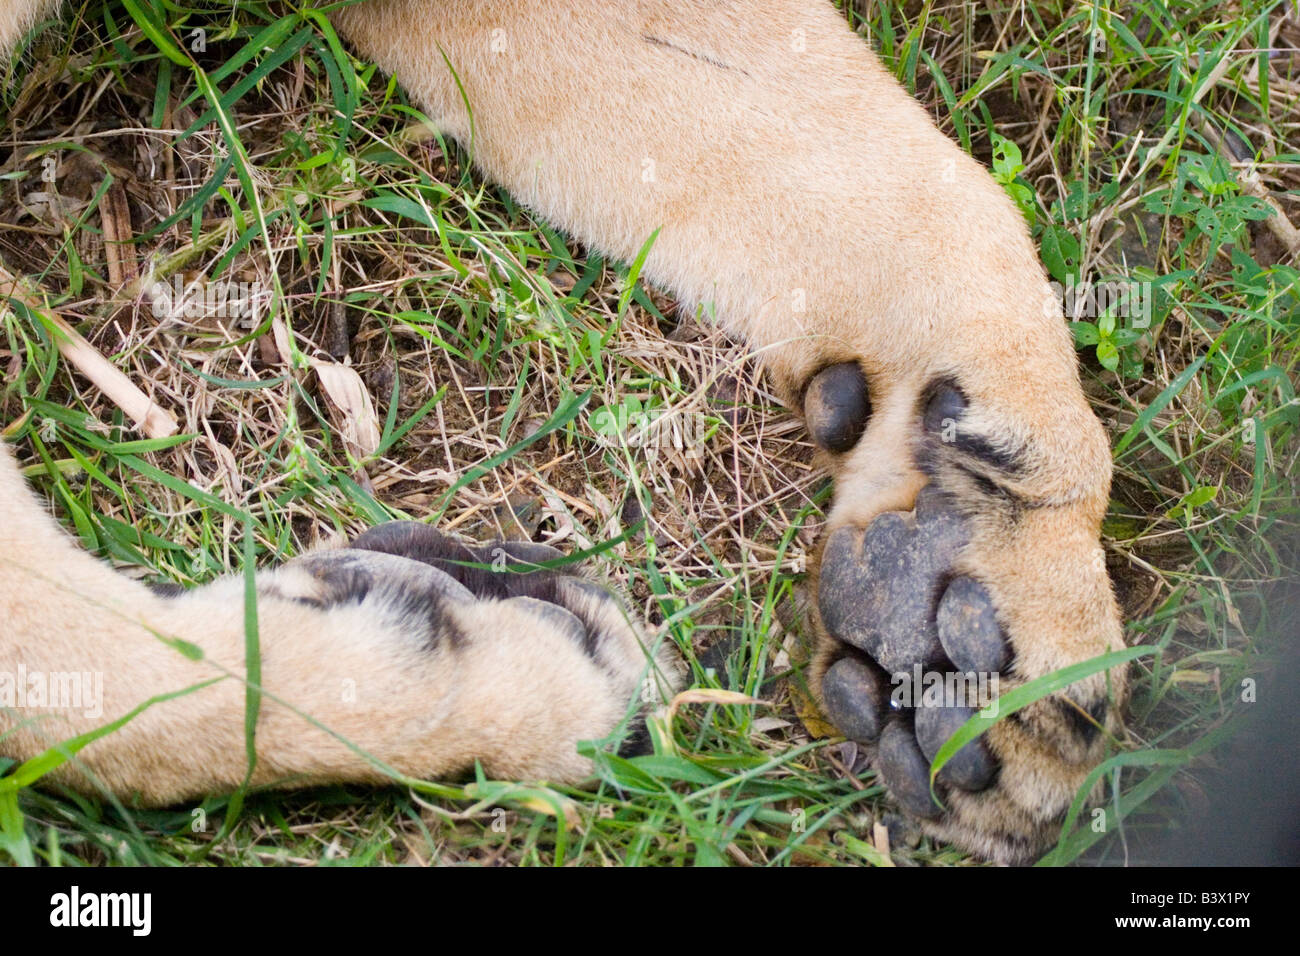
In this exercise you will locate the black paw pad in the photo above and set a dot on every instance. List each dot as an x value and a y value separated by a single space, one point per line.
905 771
971 768
888 590
856 696
505 571
879 587
408 539
969 630
502 569
836 406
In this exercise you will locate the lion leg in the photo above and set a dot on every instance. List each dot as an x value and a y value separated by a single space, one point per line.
382 657
800 195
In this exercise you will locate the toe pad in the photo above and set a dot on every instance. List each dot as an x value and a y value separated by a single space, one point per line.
836 406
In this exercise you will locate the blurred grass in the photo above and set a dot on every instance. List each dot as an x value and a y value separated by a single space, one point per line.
1140 142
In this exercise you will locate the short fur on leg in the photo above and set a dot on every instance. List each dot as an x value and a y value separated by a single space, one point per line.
383 652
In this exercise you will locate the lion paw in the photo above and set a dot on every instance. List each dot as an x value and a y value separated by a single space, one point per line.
927 614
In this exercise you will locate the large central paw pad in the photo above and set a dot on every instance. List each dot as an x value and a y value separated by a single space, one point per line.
888 592
879 587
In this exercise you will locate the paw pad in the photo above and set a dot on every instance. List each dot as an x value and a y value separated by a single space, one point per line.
905 771
836 406
879 586
889 592
969 630
855 694
944 407
500 570
972 767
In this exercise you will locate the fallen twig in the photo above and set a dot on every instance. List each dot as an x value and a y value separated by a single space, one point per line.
153 420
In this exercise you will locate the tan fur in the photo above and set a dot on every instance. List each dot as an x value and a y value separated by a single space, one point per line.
516 696
18 16
806 201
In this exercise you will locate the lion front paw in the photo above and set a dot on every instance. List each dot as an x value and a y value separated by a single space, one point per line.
928 614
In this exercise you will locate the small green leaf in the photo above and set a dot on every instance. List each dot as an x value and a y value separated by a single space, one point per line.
1060 252
1108 355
